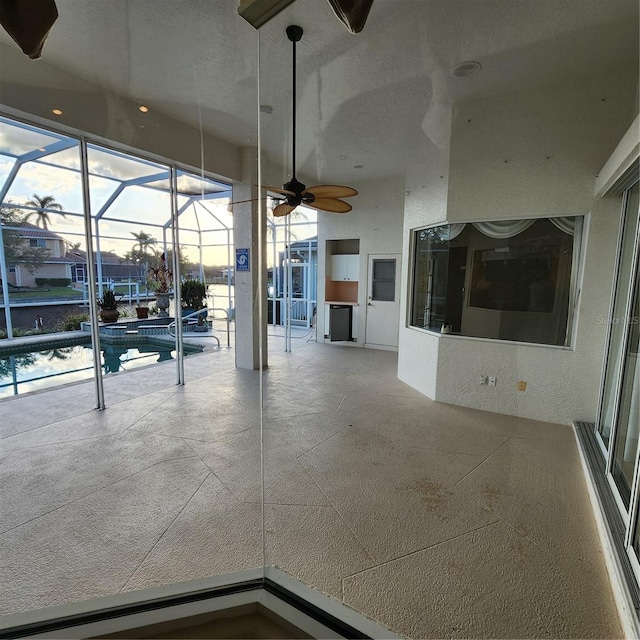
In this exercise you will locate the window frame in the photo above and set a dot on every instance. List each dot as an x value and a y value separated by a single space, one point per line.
575 283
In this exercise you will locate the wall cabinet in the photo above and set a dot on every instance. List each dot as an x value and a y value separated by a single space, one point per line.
345 267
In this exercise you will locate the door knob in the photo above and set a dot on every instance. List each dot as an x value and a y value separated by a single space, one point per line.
369 304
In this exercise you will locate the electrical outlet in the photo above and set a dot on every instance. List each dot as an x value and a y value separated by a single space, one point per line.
522 385
483 380
492 381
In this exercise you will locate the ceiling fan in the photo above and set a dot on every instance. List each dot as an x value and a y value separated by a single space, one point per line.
325 197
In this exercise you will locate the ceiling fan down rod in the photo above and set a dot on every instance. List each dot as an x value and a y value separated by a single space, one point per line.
294 33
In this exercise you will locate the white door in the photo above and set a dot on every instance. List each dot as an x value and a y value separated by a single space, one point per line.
383 300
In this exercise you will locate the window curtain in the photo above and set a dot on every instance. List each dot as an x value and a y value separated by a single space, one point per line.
456 229
503 228
509 228
568 225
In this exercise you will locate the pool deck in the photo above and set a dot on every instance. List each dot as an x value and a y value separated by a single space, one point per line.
435 520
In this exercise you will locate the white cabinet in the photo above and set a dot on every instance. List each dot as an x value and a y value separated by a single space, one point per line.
345 267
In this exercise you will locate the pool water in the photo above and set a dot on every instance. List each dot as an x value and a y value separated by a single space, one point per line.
58 365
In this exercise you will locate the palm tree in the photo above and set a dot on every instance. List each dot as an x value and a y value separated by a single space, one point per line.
41 203
145 242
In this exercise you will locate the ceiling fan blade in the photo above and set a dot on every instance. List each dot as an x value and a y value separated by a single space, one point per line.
330 191
330 204
284 192
283 209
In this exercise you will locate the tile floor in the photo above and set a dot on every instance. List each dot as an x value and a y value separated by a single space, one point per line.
438 521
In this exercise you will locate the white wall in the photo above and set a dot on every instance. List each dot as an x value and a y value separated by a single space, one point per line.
427 185
376 220
532 153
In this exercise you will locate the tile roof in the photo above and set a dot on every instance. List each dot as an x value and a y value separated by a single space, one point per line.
28 230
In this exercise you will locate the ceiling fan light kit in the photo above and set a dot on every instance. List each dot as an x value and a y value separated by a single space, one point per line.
325 197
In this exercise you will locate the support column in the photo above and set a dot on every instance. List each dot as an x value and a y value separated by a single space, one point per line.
246 221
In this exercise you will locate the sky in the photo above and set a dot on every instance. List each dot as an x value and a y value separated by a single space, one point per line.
136 209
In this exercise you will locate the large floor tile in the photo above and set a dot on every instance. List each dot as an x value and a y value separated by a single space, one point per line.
24 413
298 434
92 546
313 544
198 417
236 462
490 583
417 427
95 424
537 487
210 536
39 480
395 498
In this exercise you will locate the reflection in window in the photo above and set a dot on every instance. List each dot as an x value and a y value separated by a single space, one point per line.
507 280
626 447
619 314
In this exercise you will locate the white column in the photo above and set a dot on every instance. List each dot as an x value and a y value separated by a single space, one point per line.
245 231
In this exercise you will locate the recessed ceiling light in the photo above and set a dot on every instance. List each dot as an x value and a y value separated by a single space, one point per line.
466 69
143 108
57 112
343 157
358 166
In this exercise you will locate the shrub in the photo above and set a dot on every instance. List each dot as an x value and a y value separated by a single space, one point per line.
193 293
72 321
53 282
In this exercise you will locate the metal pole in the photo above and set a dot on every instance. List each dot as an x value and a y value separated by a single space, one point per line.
229 276
176 276
14 375
201 263
285 285
289 280
3 264
93 302
274 278
5 288
98 259
290 274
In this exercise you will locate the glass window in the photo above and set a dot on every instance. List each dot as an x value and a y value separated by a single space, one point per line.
616 320
626 440
384 280
507 280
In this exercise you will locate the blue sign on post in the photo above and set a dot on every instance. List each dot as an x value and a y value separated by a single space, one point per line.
242 260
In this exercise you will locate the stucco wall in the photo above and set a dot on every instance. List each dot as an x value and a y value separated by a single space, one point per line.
27 279
426 191
528 154
376 220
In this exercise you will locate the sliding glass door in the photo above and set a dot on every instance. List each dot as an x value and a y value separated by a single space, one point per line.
618 423
618 315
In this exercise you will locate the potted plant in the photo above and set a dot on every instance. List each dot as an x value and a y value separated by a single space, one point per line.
142 311
193 293
108 306
159 279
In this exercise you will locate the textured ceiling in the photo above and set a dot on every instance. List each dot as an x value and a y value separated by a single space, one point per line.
365 96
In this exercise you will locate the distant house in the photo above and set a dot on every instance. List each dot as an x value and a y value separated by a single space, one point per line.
55 265
113 267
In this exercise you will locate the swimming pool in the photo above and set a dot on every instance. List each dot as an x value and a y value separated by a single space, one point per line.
62 362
